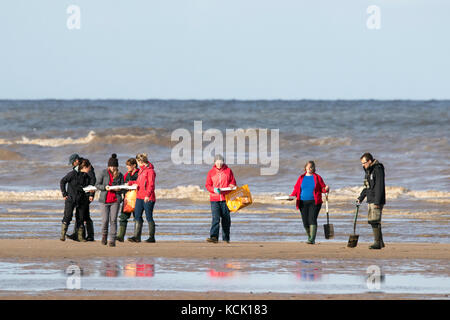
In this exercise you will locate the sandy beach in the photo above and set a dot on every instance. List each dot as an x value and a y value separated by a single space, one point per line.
48 249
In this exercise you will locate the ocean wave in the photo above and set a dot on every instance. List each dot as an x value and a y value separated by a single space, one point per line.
10 155
196 193
113 136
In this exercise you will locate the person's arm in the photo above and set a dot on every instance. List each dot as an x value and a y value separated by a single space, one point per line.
294 192
362 195
92 178
209 183
379 185
323 187
150 188
99 183
63 182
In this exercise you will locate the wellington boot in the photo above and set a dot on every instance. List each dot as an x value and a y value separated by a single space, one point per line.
81 234
151 232
137 232
64 228
376 228
312 234
90 231
122 231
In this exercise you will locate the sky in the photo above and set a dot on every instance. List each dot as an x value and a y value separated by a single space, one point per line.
217 49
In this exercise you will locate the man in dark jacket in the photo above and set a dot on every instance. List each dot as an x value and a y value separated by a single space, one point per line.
75 160
374 190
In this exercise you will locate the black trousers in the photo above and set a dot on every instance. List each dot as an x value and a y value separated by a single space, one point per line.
81 212
310 211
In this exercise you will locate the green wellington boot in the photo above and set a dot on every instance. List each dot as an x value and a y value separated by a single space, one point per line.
151 232
377 236
122 231
307 229
313 232
137 232
64 228
81 234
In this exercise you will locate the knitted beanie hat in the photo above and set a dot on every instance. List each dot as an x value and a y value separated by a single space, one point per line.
113 161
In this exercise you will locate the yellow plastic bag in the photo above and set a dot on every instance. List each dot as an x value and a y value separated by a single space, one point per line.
239 198
129 202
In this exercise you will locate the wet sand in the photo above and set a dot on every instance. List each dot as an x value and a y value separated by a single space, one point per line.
210 295
48 249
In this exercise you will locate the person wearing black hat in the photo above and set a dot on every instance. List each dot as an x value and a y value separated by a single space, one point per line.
75 160
75 197
110 199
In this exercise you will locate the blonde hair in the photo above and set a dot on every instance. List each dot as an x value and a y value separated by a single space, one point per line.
142 157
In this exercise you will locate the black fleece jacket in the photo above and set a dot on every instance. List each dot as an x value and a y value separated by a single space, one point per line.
75 182
374 188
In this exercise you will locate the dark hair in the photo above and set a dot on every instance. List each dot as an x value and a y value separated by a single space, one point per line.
313 166
84 164
131 161
366 156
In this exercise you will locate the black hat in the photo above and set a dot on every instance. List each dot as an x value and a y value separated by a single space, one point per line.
73 157
113 161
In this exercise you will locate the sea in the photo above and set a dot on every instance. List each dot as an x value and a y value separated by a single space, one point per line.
410 138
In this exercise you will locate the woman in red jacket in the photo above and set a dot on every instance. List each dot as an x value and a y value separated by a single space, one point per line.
308 191
220 176
145 198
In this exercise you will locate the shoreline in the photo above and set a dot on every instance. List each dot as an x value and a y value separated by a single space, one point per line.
54 249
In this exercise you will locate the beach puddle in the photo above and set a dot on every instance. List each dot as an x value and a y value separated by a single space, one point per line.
248 276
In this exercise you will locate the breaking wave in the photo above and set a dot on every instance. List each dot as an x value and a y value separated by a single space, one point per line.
196 193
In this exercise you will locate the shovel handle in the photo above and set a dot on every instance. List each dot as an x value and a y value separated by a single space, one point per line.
356 217
326 206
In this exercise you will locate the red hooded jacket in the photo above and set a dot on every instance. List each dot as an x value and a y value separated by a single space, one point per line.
219 178
145 182
319 188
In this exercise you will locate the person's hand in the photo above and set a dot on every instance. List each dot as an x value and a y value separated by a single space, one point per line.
327 189
217 190
91 199
107 188
376 206
66 197
357 202
232 186
92 191
147 199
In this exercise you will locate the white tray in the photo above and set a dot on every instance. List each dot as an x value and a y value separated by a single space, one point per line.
285 198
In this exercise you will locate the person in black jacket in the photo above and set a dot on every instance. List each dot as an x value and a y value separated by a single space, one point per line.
75 160
374 190
76 197
131 175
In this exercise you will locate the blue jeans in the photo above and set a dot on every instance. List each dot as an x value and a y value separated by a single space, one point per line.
220 210
140 207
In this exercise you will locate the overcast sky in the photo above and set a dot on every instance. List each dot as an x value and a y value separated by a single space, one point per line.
225 49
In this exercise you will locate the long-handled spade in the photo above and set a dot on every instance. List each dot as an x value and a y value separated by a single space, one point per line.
353 239
328 228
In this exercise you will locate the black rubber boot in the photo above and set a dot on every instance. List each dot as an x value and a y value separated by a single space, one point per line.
74 235
377 236
151 232
122 231
137 232
312 233
90 231
64 228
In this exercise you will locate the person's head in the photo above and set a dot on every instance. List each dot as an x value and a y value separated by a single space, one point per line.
74 160
218 161
142 159
131 164
84 166
310 167
366 160
113 165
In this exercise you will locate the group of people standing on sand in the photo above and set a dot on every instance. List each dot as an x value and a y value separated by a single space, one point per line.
307 191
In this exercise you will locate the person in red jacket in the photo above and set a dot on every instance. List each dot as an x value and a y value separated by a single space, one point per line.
145 198
220 176
308 192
